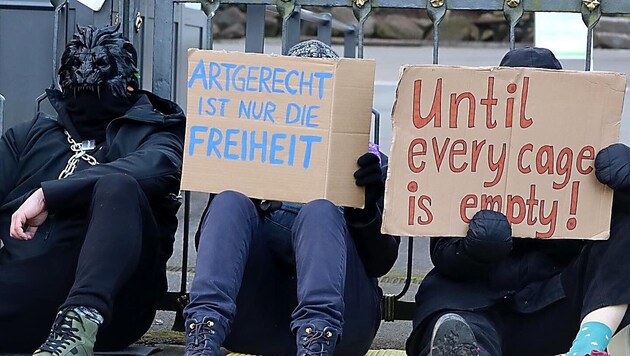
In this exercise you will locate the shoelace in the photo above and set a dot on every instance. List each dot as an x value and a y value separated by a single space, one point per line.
61 334
200 332
316 338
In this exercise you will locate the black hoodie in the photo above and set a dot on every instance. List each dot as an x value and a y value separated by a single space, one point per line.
145 143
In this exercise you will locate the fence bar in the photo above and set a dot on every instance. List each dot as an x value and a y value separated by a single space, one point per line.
1 114
436 10
209 7
163 49
591 13
324 28
361 13
513 12
255 29
608 7
294 29
349 43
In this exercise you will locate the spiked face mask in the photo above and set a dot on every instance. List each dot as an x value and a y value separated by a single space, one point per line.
98 60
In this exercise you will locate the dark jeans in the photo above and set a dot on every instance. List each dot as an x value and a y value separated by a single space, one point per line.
596 278
245 279
111 267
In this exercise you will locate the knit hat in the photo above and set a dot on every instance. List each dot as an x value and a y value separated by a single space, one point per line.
533 57
313 49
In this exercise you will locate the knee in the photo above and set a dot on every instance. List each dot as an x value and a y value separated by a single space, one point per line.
319 211
117 185
319 207
230 200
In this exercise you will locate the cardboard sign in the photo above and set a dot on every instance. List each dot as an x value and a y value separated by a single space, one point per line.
516 140
275 127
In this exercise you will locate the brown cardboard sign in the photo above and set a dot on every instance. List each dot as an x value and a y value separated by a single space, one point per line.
277 127
520 141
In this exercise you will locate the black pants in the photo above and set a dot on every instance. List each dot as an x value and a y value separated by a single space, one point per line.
112 267
598 277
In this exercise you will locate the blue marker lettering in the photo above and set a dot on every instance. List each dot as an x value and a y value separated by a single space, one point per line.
251 78
238 79
199 73
214 142
214 75
291 151
287 81
306 83
265 76
322 76
228 67
193 138
276 148
270 108
253 146
229 142
277 81
309 140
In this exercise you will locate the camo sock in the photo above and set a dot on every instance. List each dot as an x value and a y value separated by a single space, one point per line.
89 313
592 336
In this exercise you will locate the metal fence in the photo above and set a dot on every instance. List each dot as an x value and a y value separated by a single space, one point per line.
164 58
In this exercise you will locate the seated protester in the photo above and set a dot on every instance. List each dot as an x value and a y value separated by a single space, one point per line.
294 279
81 196
492 295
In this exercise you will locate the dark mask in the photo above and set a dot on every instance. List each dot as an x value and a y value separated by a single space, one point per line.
97 67
97 60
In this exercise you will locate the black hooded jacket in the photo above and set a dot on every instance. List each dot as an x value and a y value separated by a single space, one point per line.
145 143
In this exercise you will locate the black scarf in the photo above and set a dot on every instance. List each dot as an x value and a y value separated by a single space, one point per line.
91 112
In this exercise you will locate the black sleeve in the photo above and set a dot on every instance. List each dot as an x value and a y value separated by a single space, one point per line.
156 165
11 146
378 251
449 259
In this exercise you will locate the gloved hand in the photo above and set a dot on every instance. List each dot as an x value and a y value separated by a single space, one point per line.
489 237
369 175
612 166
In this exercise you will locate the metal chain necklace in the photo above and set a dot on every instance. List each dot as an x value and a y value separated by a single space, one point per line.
79 153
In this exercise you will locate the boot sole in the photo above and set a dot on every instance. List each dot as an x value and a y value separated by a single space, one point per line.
453 337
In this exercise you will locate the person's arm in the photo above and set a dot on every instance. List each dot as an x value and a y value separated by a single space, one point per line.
156 165
489 240
378 251
11 145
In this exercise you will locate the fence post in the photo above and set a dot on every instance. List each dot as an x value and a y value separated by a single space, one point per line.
1 114
591 13
513 11
362 10
324 29
163 48
255 29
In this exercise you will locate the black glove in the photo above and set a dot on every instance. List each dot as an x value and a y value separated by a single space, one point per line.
612 166
489 237
370 176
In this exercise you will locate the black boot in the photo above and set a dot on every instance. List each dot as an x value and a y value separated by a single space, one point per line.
452 336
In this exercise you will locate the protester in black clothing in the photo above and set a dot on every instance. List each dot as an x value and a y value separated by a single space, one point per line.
87 206
301 278
492 295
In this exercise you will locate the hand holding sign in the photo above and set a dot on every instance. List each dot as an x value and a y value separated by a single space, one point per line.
612 166
370 176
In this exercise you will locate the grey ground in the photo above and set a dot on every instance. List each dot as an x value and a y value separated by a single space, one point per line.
389 60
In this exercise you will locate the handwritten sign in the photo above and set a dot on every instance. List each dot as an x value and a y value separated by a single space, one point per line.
516 140
274 127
